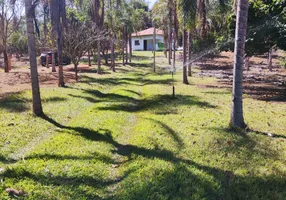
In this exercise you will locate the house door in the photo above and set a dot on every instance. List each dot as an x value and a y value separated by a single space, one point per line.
145 45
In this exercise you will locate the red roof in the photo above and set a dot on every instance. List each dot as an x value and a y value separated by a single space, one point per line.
149 31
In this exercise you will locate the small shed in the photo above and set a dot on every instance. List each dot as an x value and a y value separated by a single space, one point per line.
143 40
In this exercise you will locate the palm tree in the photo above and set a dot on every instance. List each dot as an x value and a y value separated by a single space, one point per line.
202 15
170 5
58 18
97 15
185 77
188 11
175 33
239 51
111 24
160 17
190 42
37 105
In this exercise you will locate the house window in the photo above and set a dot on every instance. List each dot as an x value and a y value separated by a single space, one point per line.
137 42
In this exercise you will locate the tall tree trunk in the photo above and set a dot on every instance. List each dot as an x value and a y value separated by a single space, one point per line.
89 61
37 104
270 59
106 57
60 55
204 19
185 76
246 63
154 50
174 50
126 44
130 47
45 28
189 53
76 71
98 57
166 45
240 35
6 66
123 45
112 55
47 61
175 34
58 17
53 62
170 36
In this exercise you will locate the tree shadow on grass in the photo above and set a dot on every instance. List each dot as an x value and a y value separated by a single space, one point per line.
167 129
244 132
17 103
109 96
137 81
104 135
157 102
133 92
246 146
141 65
5 160
271 135
58 157
74 183
182 182
197 181
135 57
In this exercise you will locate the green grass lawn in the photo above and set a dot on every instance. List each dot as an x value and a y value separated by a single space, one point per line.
122 136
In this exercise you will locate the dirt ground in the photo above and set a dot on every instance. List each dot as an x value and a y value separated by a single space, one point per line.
18 79
258 82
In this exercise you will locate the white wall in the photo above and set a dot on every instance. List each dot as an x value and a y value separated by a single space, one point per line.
137 47
149 39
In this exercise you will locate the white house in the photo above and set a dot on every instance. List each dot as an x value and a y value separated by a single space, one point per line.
143 40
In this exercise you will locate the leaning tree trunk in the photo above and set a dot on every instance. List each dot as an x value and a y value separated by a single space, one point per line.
240 35
189 64
37 104
185 77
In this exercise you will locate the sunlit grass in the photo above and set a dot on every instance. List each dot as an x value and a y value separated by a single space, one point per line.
122 136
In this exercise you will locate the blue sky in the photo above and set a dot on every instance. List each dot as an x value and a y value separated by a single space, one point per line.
151 3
